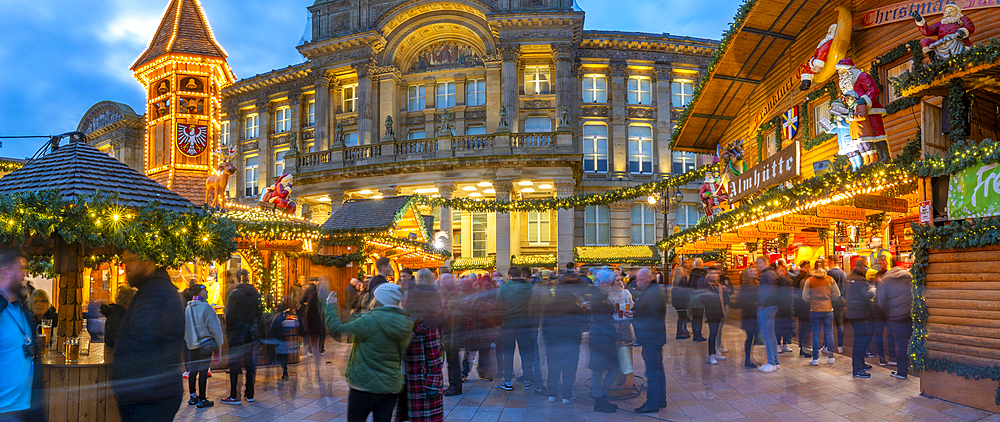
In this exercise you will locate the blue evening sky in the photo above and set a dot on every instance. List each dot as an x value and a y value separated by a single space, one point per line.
60 57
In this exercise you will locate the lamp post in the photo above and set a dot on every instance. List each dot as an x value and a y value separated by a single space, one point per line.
669 199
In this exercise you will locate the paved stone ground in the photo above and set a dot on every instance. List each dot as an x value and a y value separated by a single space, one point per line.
696 391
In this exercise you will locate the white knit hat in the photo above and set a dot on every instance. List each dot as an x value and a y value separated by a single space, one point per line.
389 294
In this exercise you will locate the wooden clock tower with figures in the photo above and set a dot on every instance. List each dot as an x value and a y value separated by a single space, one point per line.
184 71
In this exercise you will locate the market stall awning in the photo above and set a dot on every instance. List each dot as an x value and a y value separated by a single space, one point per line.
631 254
978 68
391 227
372 215
78 169
750 53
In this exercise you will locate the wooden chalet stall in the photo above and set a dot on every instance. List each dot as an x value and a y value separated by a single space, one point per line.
801 180
364 230
76 207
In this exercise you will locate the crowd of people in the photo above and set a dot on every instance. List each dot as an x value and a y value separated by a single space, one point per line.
417 337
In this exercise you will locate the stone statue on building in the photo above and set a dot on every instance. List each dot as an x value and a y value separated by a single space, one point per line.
388 126
503 118
338 135
445 124
564 116
952 34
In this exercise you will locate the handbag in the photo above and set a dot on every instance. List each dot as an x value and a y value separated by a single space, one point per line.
207 344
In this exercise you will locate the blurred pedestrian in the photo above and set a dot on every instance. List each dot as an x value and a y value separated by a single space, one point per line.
784 323
802 309
278 344
767 309
146 371
242 312
602 341
114 312
712 297
747 302
882 339
311 319
651 332
406 281
21 394
421 400
726 289
483 326
839 306
384 267
819 291
351 294
201 323
563 330
374 369
697 312
680 298
859 293
896 298
514 298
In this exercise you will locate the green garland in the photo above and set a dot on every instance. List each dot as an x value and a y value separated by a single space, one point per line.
544 260
718 255
629 255
911 152
468 263
570 202
901 104
781 198
958 110
875 221
977 55
817 141
339 261
166 237
726 40
782 240
912 47
958 235
960 156
751 246
9 166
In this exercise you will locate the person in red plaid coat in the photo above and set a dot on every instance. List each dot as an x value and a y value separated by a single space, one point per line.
421 399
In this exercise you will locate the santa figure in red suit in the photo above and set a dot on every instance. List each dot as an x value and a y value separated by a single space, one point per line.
866 125
713 195
818 59
952 33
277 196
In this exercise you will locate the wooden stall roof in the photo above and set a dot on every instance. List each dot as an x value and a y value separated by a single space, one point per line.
371 215
80 169
768 30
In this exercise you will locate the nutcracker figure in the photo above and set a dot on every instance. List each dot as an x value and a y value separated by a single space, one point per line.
952 34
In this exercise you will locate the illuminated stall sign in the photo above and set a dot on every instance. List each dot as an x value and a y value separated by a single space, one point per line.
881 203
974 192
780 167
806 221
270 245
840 213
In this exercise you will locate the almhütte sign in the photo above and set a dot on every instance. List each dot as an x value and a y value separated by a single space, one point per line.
778 168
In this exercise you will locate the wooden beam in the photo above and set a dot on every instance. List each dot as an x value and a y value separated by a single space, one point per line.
766 33
736 79
711 116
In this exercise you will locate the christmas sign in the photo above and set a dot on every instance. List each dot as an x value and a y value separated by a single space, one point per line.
898 12
881 203
790 122
806 221
974 192
840 213
192 139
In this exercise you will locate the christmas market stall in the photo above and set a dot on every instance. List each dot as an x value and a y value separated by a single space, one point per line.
820 115
75 210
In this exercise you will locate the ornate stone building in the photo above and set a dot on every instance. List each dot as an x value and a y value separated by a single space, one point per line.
115 129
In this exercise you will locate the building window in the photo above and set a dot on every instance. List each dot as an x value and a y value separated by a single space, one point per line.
351 139
640 149
538 228
640 90
681 90
224 133
282 119
311 113
769 144
595 148
537 124
479 228
250 126
445 95
350 98
279 162
475 130
536 80
595 89
687 216
415 100
643 224
597 225
894 72
683 162
311 147
416 134
250 175
475 92
821 111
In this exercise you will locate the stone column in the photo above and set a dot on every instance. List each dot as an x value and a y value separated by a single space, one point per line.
388 82
618 144
503 188
663 117
510 54
295 102
337 198
446 189
321 134
365 106
621 223
493 96
563 56
319 213
564 223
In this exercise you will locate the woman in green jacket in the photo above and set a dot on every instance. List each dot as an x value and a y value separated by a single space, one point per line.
380 339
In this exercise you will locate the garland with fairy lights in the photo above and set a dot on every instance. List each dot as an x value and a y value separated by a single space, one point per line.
960 156
925 74
569 202
543 260
168 238
958 235
469 263
724 44
958 110
911 47
9 166
629 255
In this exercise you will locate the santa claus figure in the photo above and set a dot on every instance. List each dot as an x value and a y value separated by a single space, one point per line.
712 194
277 196
818 59
867 129
952 34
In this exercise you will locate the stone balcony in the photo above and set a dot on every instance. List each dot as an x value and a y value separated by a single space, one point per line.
445 149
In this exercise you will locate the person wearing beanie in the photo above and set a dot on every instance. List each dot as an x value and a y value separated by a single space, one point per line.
381 337
859 293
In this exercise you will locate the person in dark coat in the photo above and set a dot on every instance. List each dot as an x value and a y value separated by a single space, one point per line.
421 399
114 312
680 299
352 293
243 312
767 309
650 314
602 342
22 392
712 295
146 373
697 312
562 329
802 313
859 293
482 330
840 277
747 301
784 322
895 297
311 320
882 340
384 267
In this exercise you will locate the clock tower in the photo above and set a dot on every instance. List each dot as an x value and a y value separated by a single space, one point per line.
183 71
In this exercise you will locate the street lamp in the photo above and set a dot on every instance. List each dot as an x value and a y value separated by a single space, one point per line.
669 200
